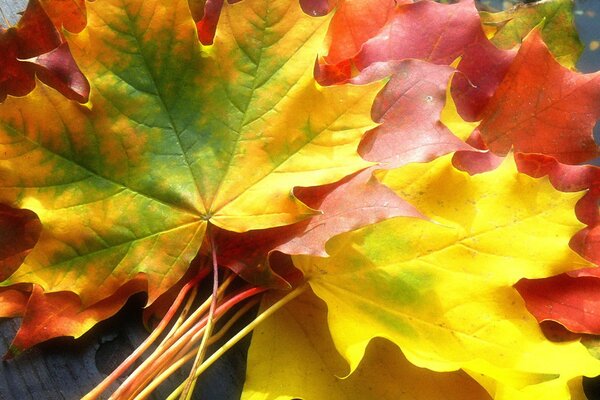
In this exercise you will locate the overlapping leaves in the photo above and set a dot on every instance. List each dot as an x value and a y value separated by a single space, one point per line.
126 185
443 292
35 48
184 148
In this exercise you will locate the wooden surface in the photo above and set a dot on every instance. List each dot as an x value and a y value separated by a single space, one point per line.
10 9
66 369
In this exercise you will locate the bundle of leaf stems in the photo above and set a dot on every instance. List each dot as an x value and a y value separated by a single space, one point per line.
189 337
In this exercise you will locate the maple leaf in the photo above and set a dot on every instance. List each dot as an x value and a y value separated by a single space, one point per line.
13 303
571 178
558 28
409 110
353 202
439 33
174 136
34 48
50 315
231 154
542 107
67 14
206 13
19 232
567 178
33 35
317 7
569 299
407 279
304 346
353 24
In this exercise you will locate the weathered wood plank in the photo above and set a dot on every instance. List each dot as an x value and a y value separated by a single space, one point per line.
10 10
66 369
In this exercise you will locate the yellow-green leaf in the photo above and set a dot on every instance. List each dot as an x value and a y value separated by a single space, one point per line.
175 135
556 17
499 212
442 289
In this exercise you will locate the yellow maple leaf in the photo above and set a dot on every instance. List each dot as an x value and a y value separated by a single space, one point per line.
315 370
442 289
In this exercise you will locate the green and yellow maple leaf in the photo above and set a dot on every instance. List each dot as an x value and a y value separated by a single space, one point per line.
175 136
442 289
558 27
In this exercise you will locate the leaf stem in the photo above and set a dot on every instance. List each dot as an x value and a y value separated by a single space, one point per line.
188 389
125 365
183 326
153 364
179 343
183 315
241 334
232 320
179 363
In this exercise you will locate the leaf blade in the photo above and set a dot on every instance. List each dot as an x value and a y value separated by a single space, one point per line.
294 346
409 280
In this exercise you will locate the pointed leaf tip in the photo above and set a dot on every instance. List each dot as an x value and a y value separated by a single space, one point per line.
543 107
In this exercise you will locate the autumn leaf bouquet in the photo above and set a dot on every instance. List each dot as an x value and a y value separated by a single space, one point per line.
400 187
